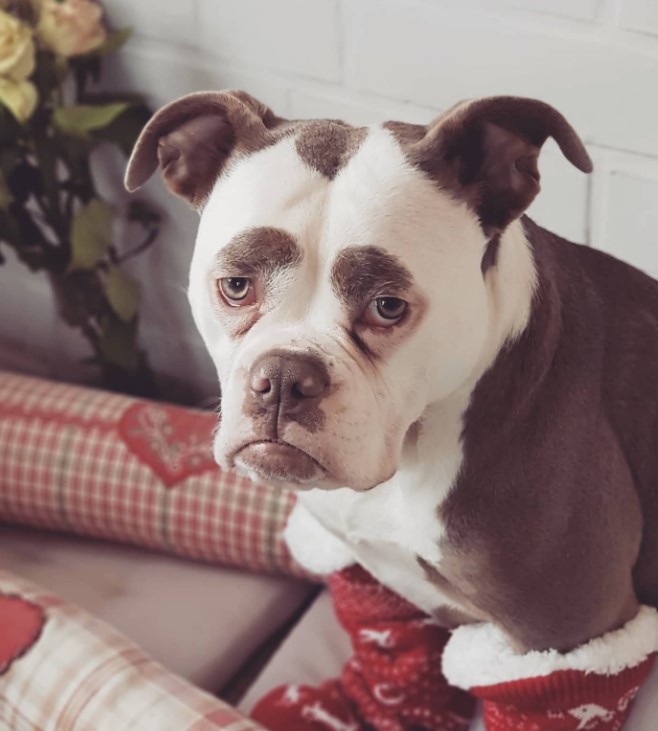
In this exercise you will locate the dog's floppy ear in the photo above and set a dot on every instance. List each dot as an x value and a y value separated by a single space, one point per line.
485 151
193 138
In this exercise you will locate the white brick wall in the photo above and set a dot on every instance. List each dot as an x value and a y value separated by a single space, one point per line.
294 36
640 15
369 60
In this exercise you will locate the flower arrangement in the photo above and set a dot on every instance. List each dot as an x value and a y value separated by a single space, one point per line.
52 117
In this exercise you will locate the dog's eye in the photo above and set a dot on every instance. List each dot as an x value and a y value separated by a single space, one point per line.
385 311
237 291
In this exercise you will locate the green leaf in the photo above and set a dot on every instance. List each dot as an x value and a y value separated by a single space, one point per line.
124 130
83 118
114 41
122 294
118 343
91 234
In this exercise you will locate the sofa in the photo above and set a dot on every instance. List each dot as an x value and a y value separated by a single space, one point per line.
144 588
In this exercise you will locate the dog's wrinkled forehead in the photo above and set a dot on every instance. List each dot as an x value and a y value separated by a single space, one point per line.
331 196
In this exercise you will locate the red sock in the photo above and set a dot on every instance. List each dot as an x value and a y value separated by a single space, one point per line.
393 682
564 700
588 689
307 708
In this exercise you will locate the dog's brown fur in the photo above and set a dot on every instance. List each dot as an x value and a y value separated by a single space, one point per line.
561 434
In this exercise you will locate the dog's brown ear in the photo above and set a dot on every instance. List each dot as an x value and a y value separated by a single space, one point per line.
193 138
485 151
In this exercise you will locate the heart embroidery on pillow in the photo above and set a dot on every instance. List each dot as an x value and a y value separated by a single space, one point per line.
174 442
21 623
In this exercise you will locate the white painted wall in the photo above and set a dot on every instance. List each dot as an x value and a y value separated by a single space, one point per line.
369 60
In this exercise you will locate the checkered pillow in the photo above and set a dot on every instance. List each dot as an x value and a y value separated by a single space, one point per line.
63 670
100 464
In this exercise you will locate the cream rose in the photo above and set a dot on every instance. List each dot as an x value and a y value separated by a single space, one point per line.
16 48
71 27
20 97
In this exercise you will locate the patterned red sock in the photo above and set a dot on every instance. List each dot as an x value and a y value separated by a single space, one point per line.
566 700
588 689
307 708
393 682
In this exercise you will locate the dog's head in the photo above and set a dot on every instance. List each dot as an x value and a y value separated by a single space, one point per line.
346 278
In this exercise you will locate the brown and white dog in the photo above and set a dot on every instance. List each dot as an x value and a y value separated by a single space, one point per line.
467 402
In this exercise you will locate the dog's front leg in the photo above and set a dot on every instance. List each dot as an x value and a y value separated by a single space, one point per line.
589 688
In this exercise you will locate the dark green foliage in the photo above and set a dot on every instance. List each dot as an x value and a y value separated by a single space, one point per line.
53 218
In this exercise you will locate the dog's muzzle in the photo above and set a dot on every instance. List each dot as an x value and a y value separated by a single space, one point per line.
287 385
284 388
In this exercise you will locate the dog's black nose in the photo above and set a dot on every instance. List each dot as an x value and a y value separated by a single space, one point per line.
287 382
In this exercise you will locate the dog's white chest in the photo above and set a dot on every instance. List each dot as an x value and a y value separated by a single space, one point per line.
390 528
386 530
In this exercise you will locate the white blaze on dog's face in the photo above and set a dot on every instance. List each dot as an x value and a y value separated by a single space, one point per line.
338 278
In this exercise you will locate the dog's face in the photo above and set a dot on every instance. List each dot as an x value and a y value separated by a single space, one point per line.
335 309
340 276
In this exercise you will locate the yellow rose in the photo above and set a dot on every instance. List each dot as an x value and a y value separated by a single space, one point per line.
71 27
16 48
20 97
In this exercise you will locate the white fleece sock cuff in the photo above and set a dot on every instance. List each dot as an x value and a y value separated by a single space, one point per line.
481 655
313 546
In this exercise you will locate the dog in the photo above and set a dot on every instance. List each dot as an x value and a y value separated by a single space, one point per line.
466 403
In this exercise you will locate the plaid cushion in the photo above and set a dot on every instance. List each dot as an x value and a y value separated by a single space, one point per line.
111 466
63 670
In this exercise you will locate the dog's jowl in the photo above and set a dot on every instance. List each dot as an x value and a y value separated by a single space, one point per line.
467 404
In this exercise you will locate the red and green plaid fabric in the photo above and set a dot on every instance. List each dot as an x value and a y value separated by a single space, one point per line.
99 464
